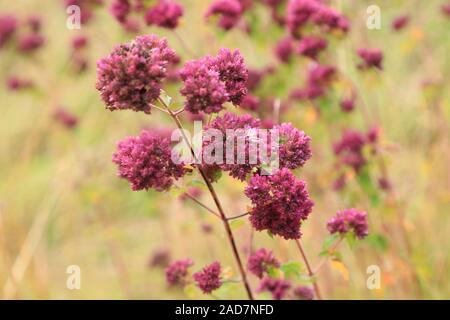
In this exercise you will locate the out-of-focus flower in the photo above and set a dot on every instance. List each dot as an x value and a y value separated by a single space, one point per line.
8 26
330 19
160 258
384 184
34 22
400 22
349 220
79 42
193 191
250 102
30 42
280 203
349 148
277 287
229 12
261 261
165 14
284 49
208 279
445 8
299 12
145 161
311 46
318 79
177 272
66 118
14 83
120 9
372 58
348 104
130 77
304 293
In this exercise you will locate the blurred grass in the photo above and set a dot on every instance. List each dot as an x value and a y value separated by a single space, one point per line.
96 222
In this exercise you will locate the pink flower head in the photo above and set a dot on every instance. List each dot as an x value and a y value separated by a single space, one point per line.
233 73
260 261
284 49
350 148
145 161
130 77
159 258
372 58
304 293
232 121
8 26
208 279
348 104
229 12
277 287
400 22
165 14
294 148
203 89
311 46
349 220
318 79
280 203
120 9
30 42
177 272
250 102
14 83
299 12
34 22
445 8
330 19
65 117
79 42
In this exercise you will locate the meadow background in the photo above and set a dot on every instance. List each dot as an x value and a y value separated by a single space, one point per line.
62 204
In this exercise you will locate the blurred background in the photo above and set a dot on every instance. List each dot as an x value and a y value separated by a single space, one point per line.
62 204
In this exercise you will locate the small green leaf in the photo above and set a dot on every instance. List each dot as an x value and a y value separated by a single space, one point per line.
273 272
291 269
377 241
351 239
165 98
329 241
236 224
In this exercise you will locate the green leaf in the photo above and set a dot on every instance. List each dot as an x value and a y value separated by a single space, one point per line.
236 224
366 183
377 241
273 272
291 269
351 239
329 241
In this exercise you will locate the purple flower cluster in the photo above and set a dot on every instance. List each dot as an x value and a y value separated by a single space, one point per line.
208 279
66 118
301 12
177 272
277 287
145 161
350 149
318 79
234 122
130 77
159 258
294 147
120 9
280 203
8 26
203 89
30 42
229 12
304 293
348 104
260 261
284 49
400 22
349 220
311 46
165 14
14 83
371 58
211 81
